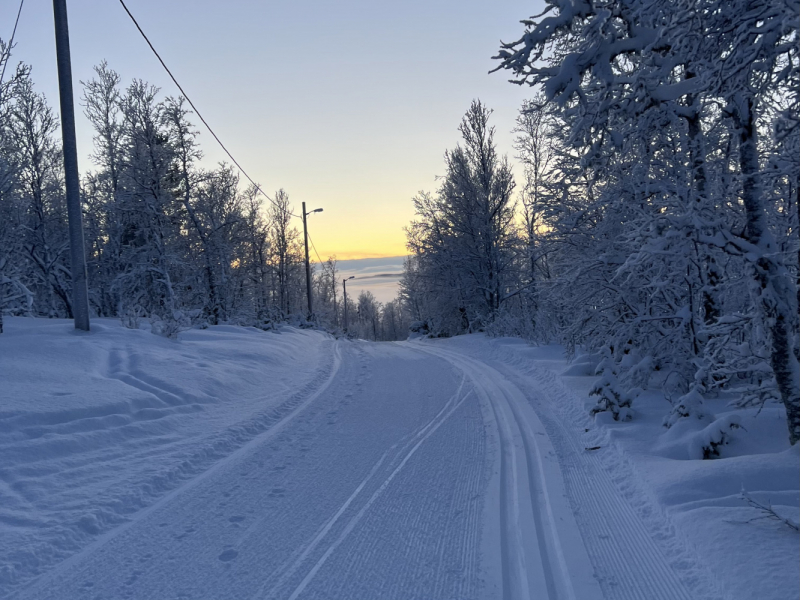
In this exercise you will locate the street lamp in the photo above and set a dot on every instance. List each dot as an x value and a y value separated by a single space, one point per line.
308 267
344 285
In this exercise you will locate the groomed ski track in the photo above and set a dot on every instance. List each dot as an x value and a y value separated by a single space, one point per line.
542 555
406 470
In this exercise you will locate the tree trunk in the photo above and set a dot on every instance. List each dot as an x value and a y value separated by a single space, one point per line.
774 289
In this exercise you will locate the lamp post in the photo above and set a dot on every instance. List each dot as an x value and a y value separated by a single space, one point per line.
344 285
308 267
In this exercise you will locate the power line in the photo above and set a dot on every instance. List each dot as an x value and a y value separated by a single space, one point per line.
11 41
314 247
197 112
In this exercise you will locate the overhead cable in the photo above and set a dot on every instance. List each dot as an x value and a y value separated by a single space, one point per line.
197 112
11 41
315 249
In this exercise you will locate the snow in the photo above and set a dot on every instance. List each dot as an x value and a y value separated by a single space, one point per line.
237 463
694 508
95 427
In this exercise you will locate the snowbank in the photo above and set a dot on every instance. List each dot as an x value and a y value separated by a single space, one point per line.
94 427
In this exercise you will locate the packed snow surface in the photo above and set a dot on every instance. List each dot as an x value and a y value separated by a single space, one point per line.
235 463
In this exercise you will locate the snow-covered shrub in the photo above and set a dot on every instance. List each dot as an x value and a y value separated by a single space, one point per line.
130 316
266 325
641 371
769 511
688 405
613 397
418 329
737 357
170 326
705 444
504 324
269 319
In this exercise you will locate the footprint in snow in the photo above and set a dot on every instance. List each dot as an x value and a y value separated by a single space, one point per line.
186 532
228 555
236 519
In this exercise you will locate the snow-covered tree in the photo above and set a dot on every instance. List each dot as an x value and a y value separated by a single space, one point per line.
612 396
663 103
15 297
165 239
462 237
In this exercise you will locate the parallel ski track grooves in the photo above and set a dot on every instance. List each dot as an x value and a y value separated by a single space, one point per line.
509 577
452 569
640 567
524 576
236 441
535 492
399 457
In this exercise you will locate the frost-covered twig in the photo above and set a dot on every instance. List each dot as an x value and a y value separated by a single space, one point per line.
768 510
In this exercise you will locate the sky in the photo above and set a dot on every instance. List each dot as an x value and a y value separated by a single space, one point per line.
349 106
380 276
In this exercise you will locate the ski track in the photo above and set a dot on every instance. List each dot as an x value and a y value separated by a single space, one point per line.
350 562
419 436
406 454
635 551
533 563
432 544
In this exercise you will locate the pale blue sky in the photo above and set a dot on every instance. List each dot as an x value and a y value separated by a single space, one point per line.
347 105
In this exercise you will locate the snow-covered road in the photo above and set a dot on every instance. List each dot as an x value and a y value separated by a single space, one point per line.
406 472
371 487
338 469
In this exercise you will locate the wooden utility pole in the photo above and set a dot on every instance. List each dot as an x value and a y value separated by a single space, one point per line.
308 267
80 293
344 285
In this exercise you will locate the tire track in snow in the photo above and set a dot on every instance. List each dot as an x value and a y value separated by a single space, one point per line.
408 447
533 561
